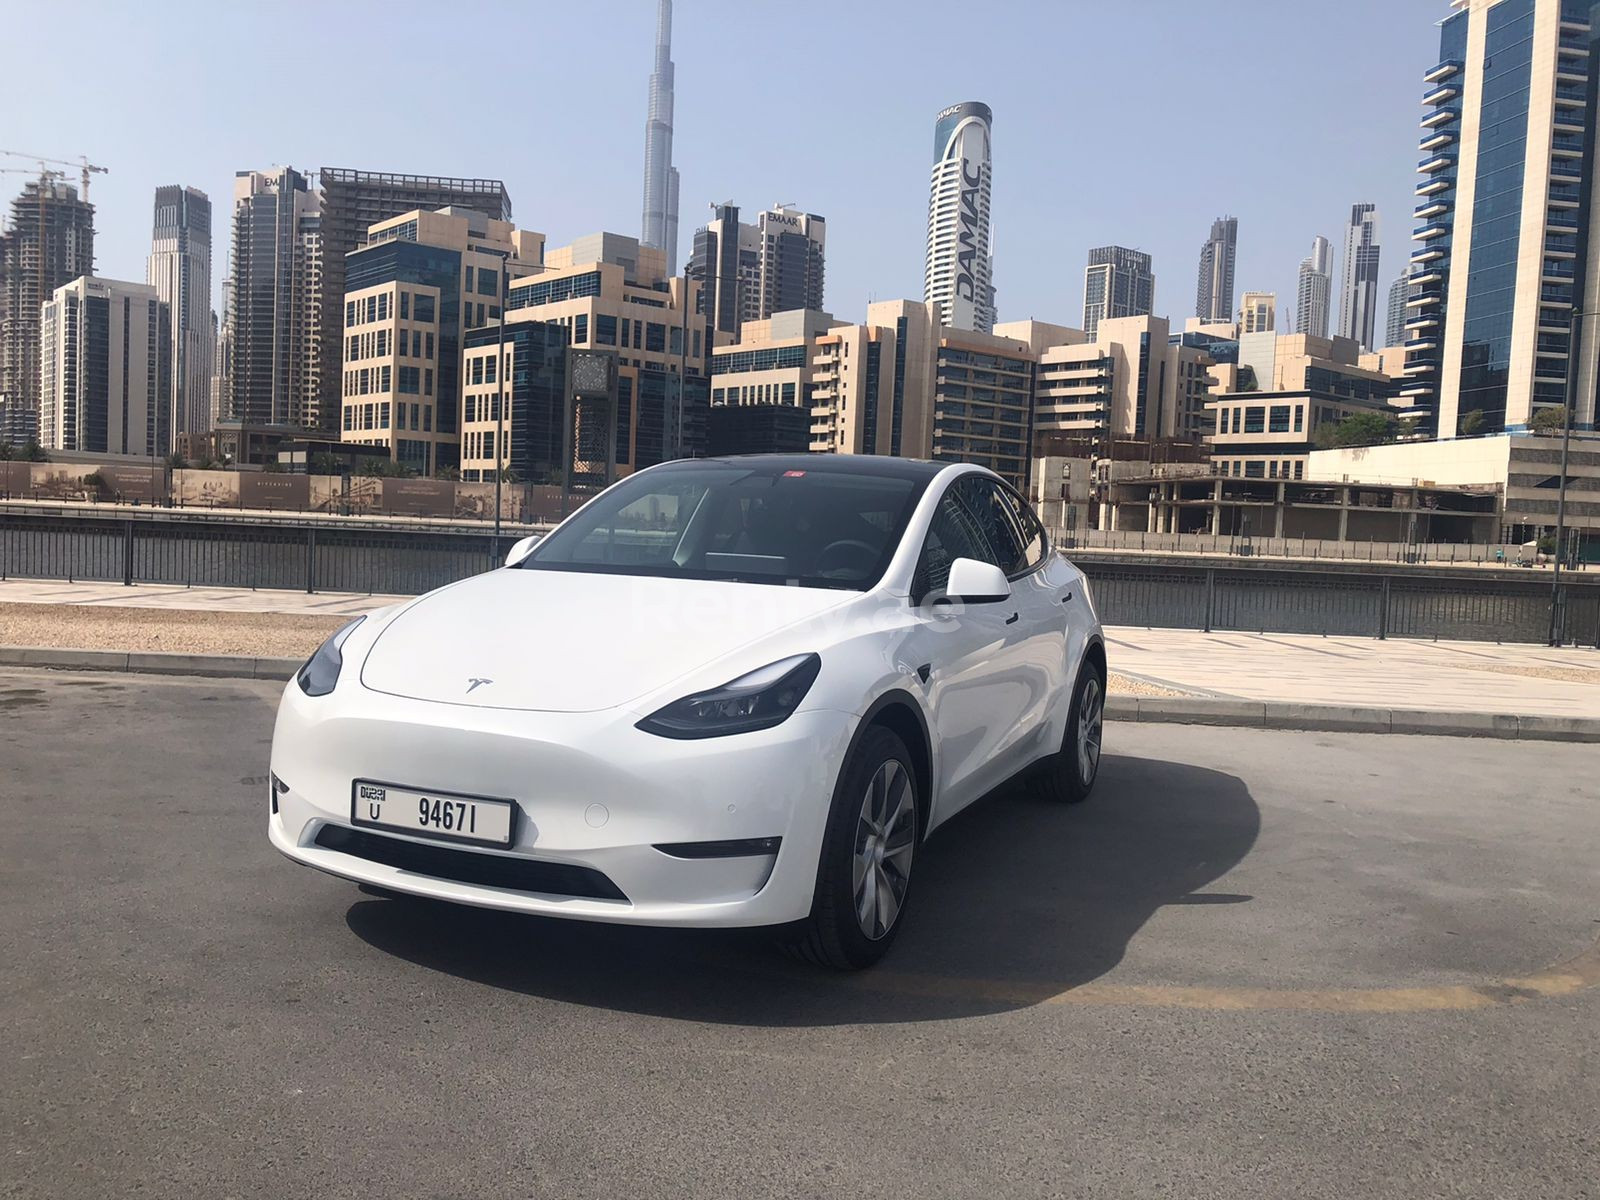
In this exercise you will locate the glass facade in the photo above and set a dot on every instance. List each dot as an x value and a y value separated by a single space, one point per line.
1496 213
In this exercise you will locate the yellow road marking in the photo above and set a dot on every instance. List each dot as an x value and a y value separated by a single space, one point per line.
1564 979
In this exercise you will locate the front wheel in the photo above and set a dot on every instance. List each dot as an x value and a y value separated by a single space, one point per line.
1068 776
864 877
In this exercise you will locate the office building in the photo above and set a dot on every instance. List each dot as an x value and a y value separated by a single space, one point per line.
772 363
1258 312
527 373
1315 286
352 201
958 271
1213 300
872 383
179 268
637 354
418 285
1394 324
1505 247
105 378
1358 288
275 300
1288 386
1116 283
49 243
1135 379
753 272
660 222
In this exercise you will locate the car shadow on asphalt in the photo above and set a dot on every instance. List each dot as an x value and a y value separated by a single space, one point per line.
1014 900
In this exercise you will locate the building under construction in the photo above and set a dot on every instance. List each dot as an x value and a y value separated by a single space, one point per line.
47 243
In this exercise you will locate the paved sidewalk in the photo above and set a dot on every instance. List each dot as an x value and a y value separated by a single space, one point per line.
1461 677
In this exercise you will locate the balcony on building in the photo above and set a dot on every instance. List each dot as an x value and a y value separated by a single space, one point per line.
1441 116
1421 321
1417 345
1567 144
1444 70
1435 163
1555 268
1564 245
1426 298
1430 208
1562 218
1575 43
1442 94
1442 137
1427 275
1570 66
1565 168
1569 94
1433 187
1434 229
1426 254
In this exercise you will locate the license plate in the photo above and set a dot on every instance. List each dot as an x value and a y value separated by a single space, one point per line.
443 815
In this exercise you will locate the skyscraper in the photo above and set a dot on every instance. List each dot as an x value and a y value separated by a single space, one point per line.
958 274
1315 287
750 272
1394 325
50 243
1504 211
1258 312
1213 297
275 240
351 201
660 225
106 369
179 268
1116 283
1358 289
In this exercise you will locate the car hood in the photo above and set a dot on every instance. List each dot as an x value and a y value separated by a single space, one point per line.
561 641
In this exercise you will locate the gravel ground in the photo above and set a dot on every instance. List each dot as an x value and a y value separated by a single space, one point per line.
185 631
259 635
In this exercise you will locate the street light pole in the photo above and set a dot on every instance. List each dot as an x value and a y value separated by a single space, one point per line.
500 409
1561 491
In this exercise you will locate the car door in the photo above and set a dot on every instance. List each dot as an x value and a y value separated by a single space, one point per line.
973 654
1042 589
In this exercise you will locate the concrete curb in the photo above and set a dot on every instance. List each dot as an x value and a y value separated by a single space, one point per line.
1178 710
218 666
1340 718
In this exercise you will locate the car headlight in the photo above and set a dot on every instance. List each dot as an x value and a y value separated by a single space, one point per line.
759 700
321 671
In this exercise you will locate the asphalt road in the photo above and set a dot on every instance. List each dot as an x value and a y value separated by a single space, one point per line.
1255 965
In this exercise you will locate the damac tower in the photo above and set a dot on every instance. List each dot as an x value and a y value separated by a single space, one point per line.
957 279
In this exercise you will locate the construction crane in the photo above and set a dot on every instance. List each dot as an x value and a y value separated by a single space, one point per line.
82 162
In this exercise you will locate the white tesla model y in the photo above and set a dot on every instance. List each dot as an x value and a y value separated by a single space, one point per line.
725 692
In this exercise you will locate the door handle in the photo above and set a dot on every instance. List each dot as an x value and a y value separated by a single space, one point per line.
1012 619
1066 598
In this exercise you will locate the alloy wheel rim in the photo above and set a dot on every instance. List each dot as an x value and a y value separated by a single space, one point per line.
885 840
1091 718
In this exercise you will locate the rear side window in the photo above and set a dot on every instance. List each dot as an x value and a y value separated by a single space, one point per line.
1034 543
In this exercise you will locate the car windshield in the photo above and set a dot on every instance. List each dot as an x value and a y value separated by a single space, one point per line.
748 521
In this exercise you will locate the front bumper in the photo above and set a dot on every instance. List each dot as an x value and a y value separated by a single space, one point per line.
593 793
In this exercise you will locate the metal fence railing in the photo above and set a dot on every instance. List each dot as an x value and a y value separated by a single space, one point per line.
1252 596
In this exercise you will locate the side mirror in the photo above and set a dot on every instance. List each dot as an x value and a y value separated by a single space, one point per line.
522 549
974 582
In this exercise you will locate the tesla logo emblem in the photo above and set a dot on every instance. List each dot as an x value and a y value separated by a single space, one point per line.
474 684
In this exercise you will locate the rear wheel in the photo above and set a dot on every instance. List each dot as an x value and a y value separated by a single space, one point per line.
1068 776
864 877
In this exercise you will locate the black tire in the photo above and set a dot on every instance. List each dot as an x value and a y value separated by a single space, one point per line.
1067 776
833 935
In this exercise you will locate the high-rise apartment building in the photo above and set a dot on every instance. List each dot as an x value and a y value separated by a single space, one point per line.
351 203
659 227
1394 324
754 272
222 356
958 272
50 242
1315 286
1117 283
277 261
1358 288
1506 245
1213 298
872 383
1258 312
105 369
179 268
421 282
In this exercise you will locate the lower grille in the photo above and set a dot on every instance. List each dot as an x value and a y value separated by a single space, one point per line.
463 866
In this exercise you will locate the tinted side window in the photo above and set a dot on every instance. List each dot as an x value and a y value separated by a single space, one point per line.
1034 543
983 499
953 533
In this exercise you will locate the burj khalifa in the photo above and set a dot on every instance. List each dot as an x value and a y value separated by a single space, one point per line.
660 176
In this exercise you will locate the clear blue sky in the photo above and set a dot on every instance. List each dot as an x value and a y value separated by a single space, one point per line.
1133 122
